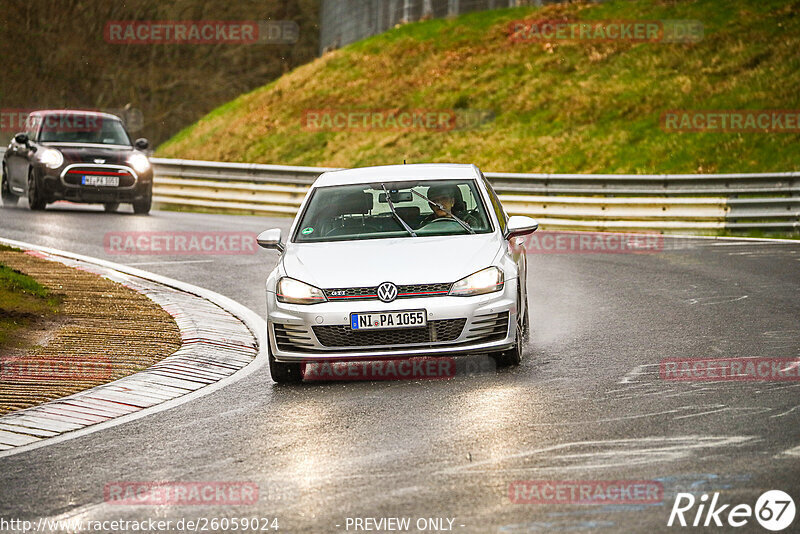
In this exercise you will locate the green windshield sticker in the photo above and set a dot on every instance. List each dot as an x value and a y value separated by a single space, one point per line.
307 231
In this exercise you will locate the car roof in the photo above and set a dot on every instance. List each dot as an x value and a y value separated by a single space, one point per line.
398 173
73 112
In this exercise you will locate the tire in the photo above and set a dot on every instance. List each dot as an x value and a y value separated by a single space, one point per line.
111 207
142 207
526 325
284 373
513 356
36 200
9 198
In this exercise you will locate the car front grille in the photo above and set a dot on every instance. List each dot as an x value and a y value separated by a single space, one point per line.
403 292
344 336
74 175
292 337
488 327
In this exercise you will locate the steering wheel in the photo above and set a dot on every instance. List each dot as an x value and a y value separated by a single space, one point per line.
441 220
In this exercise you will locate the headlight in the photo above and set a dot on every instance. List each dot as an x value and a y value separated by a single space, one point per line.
52 158
488 280
294 291
139 162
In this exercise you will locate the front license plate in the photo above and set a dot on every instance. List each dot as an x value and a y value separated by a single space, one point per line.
395 319
101 181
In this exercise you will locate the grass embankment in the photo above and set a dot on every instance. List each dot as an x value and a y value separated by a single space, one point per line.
22 300
65 330
557 106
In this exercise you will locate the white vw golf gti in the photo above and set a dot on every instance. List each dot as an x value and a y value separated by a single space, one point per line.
395 262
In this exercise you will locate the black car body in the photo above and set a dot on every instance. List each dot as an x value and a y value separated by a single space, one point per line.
78 156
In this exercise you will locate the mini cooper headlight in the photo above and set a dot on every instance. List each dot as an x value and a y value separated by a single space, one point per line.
485 281
293 291
52 158
139 162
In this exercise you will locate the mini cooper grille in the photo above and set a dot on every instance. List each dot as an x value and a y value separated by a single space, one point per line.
291 337
75 175
488 327
343 336
403 292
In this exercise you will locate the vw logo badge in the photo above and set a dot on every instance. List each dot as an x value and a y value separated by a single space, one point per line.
387 292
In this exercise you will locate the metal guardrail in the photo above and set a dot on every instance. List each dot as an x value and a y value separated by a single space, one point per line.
676 202
548 184
251 172
703 203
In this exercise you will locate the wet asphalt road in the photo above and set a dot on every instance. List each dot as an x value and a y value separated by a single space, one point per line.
586 404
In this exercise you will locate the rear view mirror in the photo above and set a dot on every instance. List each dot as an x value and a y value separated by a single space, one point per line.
270 239
397 196
21 138
142 143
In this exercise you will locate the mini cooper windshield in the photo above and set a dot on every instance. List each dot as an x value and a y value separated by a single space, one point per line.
393 209
75 128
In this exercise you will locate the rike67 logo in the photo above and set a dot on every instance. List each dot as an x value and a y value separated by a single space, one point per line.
774 510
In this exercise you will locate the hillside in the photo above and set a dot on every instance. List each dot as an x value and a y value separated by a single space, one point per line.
545 106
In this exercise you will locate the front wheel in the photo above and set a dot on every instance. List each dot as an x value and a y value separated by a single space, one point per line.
36 200
9 198
513 356
142 207
284 373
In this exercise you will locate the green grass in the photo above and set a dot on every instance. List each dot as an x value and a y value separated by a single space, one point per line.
558 107
22 299
762 234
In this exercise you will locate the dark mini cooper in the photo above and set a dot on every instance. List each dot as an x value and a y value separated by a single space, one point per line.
79 156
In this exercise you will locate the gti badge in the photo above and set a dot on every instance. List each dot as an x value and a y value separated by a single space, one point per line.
387 292
99 161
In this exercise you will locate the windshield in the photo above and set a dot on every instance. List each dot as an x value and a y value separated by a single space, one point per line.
75 128
364 211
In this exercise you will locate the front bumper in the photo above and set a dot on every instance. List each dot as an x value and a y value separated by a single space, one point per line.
489 326
56 186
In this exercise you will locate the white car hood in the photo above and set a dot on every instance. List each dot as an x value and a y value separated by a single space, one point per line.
410 260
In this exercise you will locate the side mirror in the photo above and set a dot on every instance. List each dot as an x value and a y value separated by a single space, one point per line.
519 225
142 143
22 139
270 239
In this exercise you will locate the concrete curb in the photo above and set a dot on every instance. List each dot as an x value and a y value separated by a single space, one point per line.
223 342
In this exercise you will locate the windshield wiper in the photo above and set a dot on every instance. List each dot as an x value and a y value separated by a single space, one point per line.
467 227
391 207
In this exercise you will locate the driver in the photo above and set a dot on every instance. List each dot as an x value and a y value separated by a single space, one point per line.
446 195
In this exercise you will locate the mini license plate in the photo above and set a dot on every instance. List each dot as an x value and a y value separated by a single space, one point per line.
101 181
394 319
